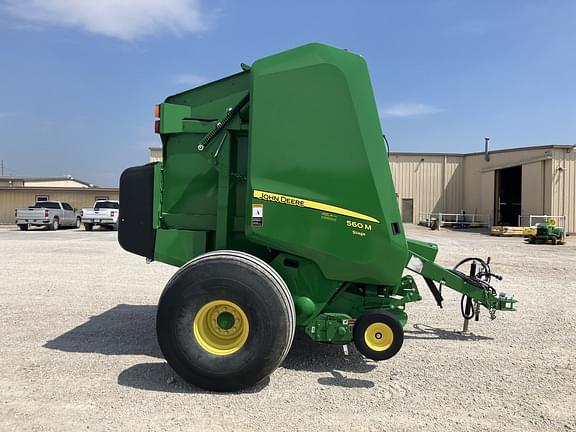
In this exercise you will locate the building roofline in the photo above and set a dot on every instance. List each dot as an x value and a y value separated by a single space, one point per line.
60 189
57 178
542 147
392 153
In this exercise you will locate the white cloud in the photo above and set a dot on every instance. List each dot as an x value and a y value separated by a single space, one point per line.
125 19
408 110
190 80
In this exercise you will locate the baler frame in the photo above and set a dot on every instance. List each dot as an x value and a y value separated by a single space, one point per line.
202 209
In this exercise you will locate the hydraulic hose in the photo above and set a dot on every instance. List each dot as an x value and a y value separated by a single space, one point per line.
481 278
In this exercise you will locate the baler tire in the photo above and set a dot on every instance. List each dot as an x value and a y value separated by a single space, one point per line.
389 347
88 227
259 300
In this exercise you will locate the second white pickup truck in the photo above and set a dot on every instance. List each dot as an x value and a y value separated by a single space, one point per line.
104 213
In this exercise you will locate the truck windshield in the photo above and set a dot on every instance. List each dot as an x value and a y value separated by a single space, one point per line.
46 204
105 205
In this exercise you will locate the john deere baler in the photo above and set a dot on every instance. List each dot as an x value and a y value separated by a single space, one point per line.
275 199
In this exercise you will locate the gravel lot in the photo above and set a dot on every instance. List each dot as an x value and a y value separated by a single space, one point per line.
79 351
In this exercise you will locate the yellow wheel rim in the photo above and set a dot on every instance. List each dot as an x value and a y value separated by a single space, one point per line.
221 327
379 336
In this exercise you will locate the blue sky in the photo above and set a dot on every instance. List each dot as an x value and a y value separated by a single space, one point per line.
79 79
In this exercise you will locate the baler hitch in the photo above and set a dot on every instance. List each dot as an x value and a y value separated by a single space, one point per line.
474 286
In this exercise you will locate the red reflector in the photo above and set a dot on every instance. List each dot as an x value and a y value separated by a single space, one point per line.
157 126
157 111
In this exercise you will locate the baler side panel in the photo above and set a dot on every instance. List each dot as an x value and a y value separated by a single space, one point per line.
316 144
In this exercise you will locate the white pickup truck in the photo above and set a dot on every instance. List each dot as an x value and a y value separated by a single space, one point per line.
104 213
52 214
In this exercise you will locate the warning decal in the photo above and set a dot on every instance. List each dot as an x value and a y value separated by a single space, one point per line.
257 214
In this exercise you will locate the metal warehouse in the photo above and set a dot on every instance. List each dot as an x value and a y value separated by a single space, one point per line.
18 192
499 187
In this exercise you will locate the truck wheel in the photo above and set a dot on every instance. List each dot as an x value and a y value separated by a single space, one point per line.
378 335
225 321
55 224
88 226
23 227
78 223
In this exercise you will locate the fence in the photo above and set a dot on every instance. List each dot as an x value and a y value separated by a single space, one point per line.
461 220
531 220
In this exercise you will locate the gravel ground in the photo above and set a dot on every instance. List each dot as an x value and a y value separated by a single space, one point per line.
79 352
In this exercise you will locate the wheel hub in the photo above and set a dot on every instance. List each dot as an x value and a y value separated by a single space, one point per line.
221 327
379 336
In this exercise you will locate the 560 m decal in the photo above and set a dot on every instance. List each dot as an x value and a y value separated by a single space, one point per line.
299 202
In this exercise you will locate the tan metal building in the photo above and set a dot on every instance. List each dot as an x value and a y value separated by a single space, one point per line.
18 192
502 186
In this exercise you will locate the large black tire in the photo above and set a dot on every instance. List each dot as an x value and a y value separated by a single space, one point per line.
266 313
55 225
23 227
88 226
378 335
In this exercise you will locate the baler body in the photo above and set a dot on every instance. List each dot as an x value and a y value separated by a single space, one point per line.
286 161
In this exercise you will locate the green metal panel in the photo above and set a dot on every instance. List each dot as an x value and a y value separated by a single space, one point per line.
315 138
177 247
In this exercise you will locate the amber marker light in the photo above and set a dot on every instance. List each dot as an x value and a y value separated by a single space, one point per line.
157 117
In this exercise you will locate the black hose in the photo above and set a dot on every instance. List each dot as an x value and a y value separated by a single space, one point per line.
387 145
480 279
465 307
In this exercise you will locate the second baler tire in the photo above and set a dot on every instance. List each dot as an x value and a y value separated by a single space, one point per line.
247 282
372 317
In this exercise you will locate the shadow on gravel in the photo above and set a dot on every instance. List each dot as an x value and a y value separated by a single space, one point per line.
306 355
122 330
160 377
340 380
426 332
131 330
